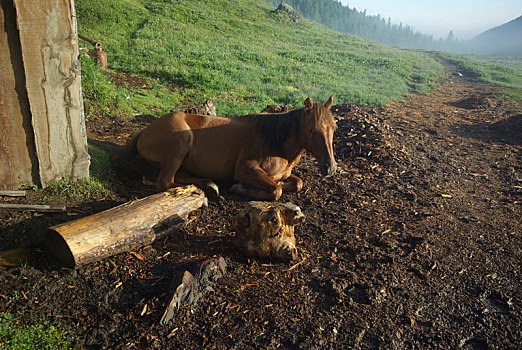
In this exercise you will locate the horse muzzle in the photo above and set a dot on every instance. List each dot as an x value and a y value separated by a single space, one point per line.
328 169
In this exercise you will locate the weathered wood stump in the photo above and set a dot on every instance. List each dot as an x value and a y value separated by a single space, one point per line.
266 230
122 228
195 285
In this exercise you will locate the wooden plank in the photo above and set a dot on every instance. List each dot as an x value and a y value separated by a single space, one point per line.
50 54
12 193
18 164
122 228
48 208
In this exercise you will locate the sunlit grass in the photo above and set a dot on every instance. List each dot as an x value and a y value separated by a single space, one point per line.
14 336
97 185
243 56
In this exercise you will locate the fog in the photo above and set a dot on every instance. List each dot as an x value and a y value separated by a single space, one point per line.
466 18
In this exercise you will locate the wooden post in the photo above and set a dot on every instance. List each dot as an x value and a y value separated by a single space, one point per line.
50 54
18 161
122 228
43 136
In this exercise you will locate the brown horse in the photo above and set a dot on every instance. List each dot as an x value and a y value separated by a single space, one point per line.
257 151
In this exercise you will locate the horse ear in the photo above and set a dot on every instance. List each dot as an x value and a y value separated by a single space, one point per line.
308 104
328 103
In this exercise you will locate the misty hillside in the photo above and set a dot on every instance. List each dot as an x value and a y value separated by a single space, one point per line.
502 40
334 15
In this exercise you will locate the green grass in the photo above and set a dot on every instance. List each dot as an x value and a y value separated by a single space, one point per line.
78 190
97 185
243 56
513 62
100 169
101 97
35 336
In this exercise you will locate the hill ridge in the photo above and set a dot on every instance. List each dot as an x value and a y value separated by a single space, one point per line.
505 39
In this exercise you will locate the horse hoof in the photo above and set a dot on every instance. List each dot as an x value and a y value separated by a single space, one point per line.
211 186
212 191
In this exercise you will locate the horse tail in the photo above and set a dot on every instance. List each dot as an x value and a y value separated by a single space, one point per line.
127 160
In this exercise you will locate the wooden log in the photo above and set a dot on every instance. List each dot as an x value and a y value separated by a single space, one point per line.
125 227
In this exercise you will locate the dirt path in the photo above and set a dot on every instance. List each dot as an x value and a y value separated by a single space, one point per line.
415 243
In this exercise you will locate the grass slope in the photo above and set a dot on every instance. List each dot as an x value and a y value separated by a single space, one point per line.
243 56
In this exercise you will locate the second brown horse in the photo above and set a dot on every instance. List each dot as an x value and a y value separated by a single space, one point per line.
256 151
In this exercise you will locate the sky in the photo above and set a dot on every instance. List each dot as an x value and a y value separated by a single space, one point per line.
466 18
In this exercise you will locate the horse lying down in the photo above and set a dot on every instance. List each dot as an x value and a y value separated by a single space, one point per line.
257 152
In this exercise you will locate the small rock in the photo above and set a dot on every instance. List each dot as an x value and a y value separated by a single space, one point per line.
292 14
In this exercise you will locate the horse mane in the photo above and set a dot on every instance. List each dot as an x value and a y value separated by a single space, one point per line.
276 128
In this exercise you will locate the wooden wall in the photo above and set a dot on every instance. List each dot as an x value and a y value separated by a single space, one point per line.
42 126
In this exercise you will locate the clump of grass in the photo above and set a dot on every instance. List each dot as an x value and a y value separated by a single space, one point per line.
97 185
40 336
76 190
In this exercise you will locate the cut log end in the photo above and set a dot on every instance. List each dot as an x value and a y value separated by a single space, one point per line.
59 248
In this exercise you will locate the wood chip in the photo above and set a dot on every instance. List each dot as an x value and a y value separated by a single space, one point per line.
144 310
171 334
299 263
137 256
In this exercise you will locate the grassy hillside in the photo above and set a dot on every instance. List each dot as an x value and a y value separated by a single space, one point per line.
239 53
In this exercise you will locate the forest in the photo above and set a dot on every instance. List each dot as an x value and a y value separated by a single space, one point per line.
334 15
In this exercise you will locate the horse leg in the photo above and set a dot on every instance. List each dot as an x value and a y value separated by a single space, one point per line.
187 178
263 188
167 173
170 156
292 184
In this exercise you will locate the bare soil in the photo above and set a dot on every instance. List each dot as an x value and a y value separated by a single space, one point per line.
414 243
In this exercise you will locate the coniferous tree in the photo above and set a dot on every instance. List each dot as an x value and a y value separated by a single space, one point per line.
334 15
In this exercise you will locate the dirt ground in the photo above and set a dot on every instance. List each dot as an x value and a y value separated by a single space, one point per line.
414 243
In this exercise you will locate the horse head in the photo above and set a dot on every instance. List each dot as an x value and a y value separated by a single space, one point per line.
317 134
